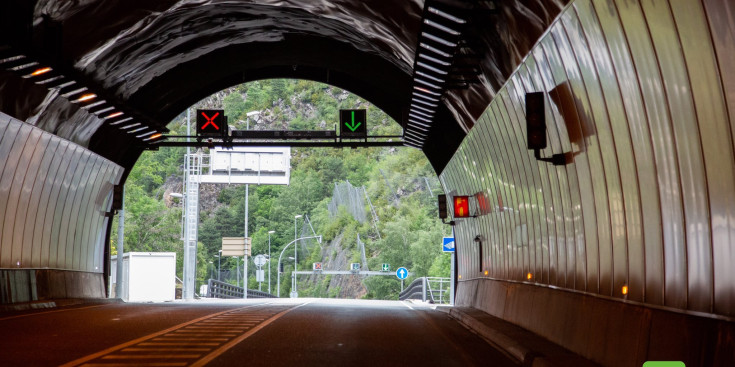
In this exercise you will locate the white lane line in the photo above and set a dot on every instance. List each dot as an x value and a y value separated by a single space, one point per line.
54 311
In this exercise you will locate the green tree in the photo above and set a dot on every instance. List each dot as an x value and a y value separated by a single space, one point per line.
234 106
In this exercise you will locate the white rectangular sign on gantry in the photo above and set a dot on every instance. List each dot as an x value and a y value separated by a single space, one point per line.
248 165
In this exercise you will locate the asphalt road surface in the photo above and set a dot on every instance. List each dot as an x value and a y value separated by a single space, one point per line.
302 332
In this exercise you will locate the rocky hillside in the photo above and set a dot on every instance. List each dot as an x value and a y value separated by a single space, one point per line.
403 230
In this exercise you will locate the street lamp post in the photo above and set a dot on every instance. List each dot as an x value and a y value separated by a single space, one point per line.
247 191
269 260
295 256
237 268
278 286
219 264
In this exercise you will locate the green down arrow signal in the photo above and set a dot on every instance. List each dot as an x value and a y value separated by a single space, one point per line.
351 125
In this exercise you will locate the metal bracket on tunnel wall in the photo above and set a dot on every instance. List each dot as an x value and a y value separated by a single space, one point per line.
536 130
478 240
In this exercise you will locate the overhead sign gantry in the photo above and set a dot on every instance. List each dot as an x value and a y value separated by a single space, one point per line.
212 130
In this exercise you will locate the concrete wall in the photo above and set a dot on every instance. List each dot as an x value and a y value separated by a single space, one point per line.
53 198
642 94
611 333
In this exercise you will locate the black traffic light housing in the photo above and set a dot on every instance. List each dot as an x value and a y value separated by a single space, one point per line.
117 198
443 206
536 129
535 121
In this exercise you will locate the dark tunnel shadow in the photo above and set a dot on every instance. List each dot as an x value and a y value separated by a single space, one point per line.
579 126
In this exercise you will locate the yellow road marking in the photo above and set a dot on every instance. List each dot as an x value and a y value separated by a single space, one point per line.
166 349
152 356
211 356
137 365
147 337
171 343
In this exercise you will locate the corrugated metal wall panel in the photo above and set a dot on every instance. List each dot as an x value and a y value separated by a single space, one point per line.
53 196
636 91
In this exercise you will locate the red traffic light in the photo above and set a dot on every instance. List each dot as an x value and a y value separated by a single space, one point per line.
461 207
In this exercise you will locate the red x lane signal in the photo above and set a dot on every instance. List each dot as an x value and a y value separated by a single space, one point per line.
211 122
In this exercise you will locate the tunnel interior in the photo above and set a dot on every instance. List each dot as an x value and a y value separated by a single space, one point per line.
639 223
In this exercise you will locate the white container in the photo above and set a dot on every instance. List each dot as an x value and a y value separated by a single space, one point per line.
147 276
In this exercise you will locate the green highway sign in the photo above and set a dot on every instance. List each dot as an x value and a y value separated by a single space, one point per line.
353 123
386 267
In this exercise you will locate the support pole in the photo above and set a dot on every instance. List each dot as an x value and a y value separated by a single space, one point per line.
120 248
245 258
453 270
245 276
423 289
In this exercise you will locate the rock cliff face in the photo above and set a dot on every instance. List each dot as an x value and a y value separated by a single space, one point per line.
335 255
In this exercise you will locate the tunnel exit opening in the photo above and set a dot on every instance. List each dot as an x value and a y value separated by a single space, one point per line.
391 183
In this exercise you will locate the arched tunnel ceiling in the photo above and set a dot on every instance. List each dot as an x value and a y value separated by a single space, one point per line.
155 58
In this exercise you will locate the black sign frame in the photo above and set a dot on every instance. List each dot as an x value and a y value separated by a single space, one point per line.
353 124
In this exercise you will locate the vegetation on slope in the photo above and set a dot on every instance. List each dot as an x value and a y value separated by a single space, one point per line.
397 181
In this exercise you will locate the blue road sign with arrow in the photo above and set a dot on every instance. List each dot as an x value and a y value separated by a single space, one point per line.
448 244
402 273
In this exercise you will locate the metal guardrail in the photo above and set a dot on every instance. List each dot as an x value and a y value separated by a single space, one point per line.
433 289
438 289
415 290
217 289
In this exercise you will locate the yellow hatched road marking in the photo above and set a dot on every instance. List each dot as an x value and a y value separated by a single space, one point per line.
166 349
152 356
207 335
211 356
101 353
153 364
168 344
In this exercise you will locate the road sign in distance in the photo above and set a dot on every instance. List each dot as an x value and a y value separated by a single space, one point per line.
211 123
448 244
353 123
385 267
461 206
402 273
317 266
260 260
355 266
233 246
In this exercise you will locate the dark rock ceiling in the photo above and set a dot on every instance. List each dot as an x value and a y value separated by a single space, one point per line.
159 57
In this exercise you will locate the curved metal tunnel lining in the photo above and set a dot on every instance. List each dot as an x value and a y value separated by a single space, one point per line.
644 202
55 196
